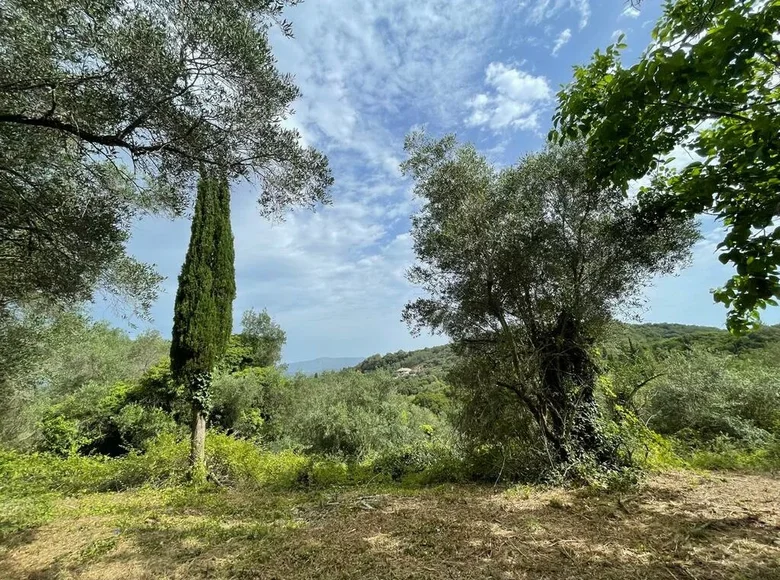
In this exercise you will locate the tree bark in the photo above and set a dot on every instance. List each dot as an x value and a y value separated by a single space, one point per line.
198 446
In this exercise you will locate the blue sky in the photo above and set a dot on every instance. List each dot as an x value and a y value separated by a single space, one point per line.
371 70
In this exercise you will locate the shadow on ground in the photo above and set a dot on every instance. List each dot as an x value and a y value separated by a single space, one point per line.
678 526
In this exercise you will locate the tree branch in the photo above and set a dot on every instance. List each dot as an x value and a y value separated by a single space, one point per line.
98 139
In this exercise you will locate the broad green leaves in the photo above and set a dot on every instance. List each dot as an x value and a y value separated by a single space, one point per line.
710 82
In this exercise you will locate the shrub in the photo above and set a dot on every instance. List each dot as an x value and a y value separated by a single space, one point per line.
354 416
101 419
238 462
421 462
248 403
157 389
62 436
138 425
724 454
165 463
701 395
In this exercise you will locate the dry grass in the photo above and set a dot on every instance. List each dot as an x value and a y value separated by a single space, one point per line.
677 526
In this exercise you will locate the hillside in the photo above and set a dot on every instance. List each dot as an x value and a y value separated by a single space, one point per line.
654 336
322 364
426 360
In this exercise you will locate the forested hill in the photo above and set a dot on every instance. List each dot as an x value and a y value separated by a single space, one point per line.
657 337
666 336
429 360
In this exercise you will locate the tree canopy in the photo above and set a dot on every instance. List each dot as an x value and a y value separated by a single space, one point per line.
203 310
109 109
524 267
708 82
259 344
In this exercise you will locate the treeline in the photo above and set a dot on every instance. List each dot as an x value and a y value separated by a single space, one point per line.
525 267
656 336
96 392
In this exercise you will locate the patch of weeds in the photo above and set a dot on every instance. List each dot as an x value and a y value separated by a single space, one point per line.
18 514
534 526
96 550
523 491
559 504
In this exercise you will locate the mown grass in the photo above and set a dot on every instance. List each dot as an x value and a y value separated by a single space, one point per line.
675 525
285 515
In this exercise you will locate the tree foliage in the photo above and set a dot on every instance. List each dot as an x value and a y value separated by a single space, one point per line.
203 312
92 87
259 344
710 82
524 268
202 321
47 354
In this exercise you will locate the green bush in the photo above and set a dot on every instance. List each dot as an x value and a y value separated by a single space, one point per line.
248 403
101 419
724 454
237 462
165 463
421 462
701 396
156 389
62 436
138 425
354 416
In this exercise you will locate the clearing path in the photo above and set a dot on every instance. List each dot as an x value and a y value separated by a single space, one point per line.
679 525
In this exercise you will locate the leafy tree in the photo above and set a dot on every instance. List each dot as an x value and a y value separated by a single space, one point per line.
248 403
259 344
90 88
47 354
203 309
525 268
709 81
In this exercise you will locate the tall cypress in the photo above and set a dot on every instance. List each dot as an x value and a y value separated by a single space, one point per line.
202 319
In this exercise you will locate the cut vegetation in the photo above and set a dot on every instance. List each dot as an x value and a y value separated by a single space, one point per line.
677 525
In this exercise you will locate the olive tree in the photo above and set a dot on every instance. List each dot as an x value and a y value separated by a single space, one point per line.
109 109
524 267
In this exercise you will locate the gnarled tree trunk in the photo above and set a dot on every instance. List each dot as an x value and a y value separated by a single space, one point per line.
568 376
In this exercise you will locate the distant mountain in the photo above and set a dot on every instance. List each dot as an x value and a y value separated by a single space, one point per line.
318 365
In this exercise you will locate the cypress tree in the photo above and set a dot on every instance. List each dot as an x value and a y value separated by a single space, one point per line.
202 319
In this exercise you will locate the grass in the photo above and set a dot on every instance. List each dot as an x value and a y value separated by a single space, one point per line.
677 525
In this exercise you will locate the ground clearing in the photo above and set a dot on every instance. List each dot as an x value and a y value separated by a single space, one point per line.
680 525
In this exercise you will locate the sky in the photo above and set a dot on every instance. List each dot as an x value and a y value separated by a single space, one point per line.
370 71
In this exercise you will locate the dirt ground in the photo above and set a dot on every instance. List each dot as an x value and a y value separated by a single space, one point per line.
679 525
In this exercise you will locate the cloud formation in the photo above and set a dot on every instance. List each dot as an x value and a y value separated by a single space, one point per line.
514 99
630 12
539 11
563 38
369 71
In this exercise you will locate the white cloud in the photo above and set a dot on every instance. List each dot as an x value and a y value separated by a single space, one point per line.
630 12
543 10
514 101
616 34
562 39
584 8
369 70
